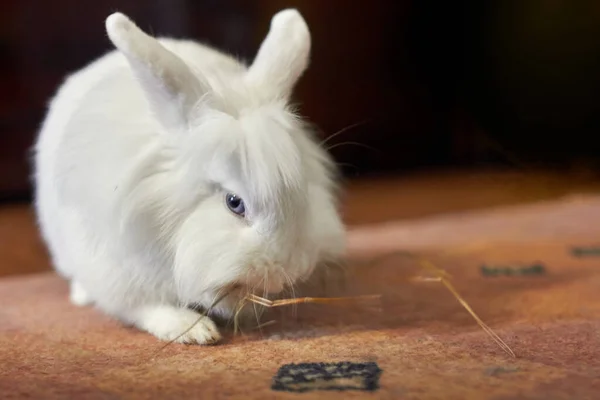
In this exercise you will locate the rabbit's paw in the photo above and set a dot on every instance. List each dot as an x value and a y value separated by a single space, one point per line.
78 295
178 324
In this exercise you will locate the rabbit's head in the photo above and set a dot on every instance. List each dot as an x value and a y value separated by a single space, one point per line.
253 194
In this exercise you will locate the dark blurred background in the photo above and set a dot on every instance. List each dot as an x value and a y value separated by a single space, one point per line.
415 85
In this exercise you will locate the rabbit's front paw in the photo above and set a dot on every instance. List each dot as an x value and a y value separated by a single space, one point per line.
79 296
178 324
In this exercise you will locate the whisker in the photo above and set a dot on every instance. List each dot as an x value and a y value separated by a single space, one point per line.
248 280
266 282
256 315
266 324
240 307
353 144
346 129
342 165
292 290
335 272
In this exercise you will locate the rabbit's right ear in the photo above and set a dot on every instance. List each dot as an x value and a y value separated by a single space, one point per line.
283 56
169 85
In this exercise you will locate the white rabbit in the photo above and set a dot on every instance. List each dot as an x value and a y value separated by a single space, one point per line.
166 171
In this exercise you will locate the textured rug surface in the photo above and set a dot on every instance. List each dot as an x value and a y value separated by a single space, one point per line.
539 296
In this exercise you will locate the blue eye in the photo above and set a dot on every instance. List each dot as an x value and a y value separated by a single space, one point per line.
235 204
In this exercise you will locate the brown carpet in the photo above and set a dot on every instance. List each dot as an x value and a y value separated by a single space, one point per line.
425 343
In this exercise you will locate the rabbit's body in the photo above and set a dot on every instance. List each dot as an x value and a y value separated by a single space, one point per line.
97 121
132 166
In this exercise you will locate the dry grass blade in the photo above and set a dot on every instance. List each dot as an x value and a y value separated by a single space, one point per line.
268 323
252 298
443 277
440 276
318 300
426 279
429 266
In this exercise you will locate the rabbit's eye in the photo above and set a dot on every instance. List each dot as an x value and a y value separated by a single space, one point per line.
235 204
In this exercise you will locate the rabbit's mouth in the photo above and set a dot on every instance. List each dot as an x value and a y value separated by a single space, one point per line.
240 290
230 295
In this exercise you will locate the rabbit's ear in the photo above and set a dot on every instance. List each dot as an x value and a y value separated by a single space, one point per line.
283 55
170 87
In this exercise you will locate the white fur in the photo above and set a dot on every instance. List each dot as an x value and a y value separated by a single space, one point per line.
135 157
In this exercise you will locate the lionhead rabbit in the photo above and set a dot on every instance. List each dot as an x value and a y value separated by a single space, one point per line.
167 172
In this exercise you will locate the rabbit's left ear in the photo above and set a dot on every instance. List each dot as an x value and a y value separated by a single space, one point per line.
169 85
283 56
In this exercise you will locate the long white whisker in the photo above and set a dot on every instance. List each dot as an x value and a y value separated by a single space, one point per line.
293 291
346 129
256 314
350 143
248 280
265 286
342 165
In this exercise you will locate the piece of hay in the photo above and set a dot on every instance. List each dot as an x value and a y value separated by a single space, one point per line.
319 300
442 277
252 298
